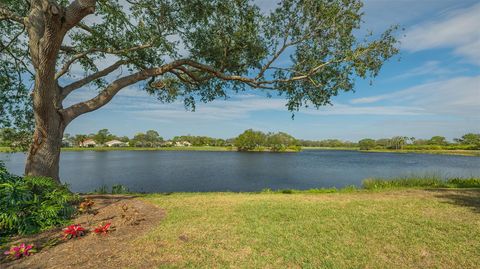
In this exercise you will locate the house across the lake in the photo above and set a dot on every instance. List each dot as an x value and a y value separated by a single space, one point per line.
89 143
66 143
115 143
182 144
166 144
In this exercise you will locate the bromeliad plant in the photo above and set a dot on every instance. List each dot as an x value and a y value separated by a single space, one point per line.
73 231
20 251
103 229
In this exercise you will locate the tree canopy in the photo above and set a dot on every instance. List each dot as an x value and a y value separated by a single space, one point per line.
193 50
251 140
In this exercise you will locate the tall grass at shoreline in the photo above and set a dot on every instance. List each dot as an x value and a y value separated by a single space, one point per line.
410 182
420 182
369 184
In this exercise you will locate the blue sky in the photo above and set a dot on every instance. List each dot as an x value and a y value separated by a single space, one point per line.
431 88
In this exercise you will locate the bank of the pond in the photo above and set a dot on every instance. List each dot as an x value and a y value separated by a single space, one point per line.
409 228
462 152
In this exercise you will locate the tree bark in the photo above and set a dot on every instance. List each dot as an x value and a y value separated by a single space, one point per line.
44 153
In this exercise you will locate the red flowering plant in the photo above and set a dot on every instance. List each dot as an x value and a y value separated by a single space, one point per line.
20 251
103 229
73 231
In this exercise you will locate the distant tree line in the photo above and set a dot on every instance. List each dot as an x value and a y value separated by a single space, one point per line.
203 140
251 140
468 141
328 143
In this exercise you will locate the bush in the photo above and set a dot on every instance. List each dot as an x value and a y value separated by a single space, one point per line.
116 189
32 204
119 189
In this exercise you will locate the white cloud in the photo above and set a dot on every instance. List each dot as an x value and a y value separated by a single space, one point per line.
452 97
431 69
241 107
458 30
456 96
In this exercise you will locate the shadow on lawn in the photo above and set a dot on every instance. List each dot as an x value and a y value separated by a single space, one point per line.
462 197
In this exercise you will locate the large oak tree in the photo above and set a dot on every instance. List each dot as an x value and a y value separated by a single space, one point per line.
194 50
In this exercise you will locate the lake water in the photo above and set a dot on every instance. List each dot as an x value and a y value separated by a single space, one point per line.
192 171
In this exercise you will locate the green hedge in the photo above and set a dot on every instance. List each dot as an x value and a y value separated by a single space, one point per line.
32 204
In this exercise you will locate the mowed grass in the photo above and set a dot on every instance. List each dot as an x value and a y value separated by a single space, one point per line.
362 229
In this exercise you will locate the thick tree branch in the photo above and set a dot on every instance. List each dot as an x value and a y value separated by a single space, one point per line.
78 84
111 90
78 10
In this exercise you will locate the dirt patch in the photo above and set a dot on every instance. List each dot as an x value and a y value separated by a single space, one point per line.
131 218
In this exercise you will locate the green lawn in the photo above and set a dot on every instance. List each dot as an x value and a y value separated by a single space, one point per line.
360 229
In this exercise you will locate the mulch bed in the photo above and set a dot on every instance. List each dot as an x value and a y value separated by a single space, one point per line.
130 217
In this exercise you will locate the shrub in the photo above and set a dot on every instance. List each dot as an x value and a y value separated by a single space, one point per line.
119 189
101 190
32 204
116 189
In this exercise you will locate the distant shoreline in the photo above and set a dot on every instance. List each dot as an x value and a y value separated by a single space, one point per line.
462 152
475 153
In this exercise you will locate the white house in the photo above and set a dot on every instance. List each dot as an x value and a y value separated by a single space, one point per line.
115 143
183 144
89 143
66 143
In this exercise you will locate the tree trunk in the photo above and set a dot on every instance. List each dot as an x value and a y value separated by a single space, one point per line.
44 154
46 30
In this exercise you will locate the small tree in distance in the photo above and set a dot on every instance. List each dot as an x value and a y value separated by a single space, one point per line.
367 144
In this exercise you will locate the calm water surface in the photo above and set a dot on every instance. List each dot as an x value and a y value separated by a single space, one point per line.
182 171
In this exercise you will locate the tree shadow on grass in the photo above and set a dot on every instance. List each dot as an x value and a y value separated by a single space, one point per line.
461 197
